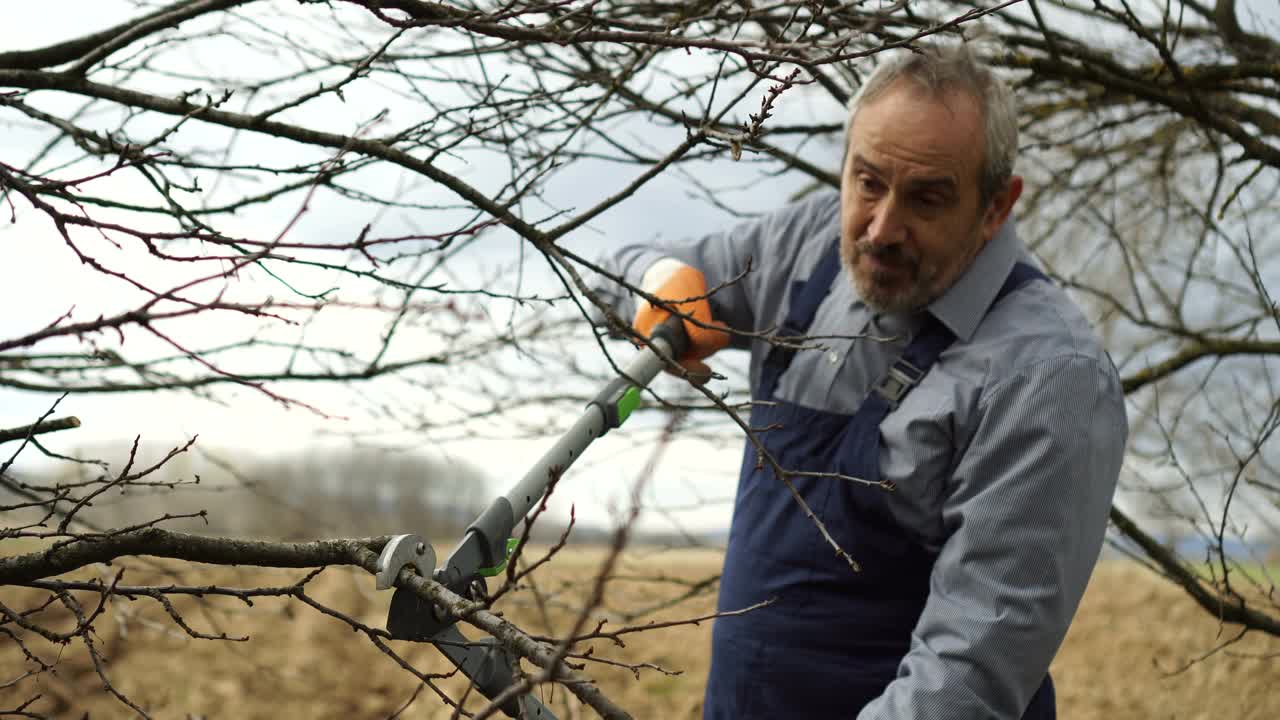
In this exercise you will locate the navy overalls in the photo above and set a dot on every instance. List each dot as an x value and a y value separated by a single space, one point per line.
832 639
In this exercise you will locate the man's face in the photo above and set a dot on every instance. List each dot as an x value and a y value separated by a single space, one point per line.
910 216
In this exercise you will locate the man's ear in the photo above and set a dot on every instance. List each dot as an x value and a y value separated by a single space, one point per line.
1000 207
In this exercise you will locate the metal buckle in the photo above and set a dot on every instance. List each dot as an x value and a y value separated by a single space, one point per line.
902 376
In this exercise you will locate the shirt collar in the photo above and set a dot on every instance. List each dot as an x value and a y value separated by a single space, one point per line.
964 304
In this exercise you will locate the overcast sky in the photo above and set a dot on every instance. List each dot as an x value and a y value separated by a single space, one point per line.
693 471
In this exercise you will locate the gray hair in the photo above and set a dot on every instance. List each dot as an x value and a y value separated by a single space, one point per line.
939 69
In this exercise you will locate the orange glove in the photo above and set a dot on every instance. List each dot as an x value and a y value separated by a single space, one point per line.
685 289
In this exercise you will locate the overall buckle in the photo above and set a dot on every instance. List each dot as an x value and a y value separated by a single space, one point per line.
896 383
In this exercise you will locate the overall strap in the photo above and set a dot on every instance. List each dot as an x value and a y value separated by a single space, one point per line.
923 351
806 296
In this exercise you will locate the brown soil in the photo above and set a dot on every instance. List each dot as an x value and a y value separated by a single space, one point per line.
1122 658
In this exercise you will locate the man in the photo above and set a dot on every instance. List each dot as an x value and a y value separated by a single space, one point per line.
976 421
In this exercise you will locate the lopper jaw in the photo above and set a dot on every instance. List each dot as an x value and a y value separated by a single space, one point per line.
489 666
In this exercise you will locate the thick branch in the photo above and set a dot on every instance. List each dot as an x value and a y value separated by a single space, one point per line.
1229 610
127 32
1224 14
26 431
88 549
1207 348
25 569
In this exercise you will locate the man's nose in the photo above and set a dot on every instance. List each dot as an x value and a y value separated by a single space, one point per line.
887 225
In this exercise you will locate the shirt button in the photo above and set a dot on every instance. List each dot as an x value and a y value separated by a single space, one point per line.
833 357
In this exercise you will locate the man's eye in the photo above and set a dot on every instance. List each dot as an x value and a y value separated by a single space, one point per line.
869 185
932 199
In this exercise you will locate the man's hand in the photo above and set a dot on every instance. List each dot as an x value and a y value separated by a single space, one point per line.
683 288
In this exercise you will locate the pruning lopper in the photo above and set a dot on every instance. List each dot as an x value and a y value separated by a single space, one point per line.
487 542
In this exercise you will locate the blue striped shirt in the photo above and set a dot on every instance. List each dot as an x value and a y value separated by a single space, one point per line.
1004 458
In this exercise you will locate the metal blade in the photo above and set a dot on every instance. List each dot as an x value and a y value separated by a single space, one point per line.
491 667
411 617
